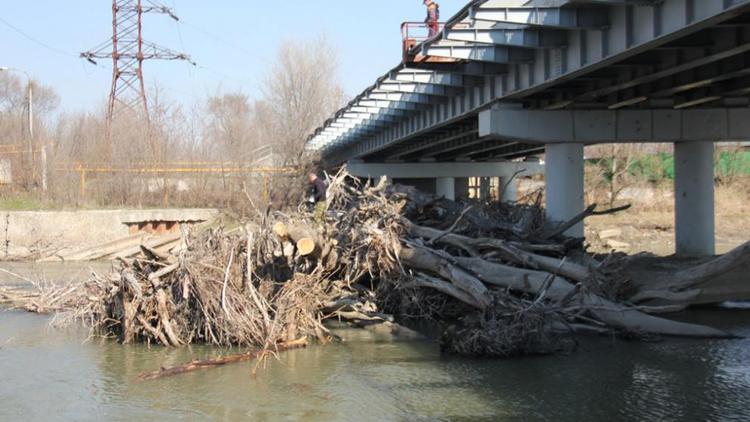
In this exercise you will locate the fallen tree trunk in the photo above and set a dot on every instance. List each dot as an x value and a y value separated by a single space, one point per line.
697 275
673 280
609 312
424 260
509 252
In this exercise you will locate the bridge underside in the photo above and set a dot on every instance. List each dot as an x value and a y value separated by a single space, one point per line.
707 69
524 77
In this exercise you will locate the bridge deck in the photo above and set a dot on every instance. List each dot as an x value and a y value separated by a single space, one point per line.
548 55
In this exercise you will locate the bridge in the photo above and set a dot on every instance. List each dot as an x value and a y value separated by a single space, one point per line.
508 79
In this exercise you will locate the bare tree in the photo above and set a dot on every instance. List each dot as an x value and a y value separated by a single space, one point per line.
230 125
301 90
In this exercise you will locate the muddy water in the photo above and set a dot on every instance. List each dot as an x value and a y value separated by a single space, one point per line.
57 375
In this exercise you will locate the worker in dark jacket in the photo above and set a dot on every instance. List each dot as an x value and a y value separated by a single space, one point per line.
433 17
318 191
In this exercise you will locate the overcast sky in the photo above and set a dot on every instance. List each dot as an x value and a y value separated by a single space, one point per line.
233 42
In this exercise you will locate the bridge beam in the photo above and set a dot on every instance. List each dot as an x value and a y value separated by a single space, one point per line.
694 199
504 169
610 126
564 184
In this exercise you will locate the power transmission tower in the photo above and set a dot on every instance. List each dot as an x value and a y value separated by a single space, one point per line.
128 51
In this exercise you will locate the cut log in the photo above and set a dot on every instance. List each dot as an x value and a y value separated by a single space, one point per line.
305 238
306 246
280 230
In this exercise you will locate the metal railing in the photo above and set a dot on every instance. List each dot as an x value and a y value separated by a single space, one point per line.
418 31
414 33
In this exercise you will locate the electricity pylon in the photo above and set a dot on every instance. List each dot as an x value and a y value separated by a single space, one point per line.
128 51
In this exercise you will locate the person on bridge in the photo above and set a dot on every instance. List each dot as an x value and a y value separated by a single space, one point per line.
433 17
318 190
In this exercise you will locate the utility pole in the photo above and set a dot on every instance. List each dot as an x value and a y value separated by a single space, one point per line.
128 50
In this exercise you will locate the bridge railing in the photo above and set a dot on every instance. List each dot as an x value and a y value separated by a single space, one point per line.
414 33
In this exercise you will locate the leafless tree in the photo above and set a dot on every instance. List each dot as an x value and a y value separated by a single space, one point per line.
301 90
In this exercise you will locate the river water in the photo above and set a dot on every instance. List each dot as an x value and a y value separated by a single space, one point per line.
48 374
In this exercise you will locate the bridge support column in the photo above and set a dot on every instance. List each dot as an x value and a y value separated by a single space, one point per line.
694 199
462 187
446 186
564 184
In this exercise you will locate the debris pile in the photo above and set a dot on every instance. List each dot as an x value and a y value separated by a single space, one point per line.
496 278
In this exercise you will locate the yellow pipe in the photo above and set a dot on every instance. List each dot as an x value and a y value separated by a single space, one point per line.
184 170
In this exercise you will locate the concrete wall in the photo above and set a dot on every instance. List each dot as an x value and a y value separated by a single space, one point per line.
20 230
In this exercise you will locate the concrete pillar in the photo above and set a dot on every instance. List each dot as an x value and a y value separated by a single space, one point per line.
446 186
694 199
510 190
462 188
564 184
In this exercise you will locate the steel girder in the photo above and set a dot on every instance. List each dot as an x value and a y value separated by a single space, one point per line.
510 37
570 53
555 17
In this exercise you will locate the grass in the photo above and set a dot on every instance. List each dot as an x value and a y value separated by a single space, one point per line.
24 204
23 201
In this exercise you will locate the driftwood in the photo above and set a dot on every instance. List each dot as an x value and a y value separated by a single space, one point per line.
490 273
673 281
692 277
562 290
423 260
588 212
198 365
473 245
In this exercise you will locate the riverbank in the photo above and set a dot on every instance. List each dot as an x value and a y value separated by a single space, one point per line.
648 226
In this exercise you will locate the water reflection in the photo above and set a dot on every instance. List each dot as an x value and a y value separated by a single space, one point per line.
55 375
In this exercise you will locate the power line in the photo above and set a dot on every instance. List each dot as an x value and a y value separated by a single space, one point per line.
177 25
221 40
34 40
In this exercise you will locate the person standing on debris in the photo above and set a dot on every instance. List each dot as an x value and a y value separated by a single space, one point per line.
433 17
318 190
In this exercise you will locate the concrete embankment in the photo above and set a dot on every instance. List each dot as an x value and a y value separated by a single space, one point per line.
38 234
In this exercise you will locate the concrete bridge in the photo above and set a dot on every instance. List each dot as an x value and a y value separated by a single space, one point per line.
506 79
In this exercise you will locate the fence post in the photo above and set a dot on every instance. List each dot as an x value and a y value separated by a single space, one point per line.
82 183
43 159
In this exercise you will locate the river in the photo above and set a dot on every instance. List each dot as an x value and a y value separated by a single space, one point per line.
49 374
